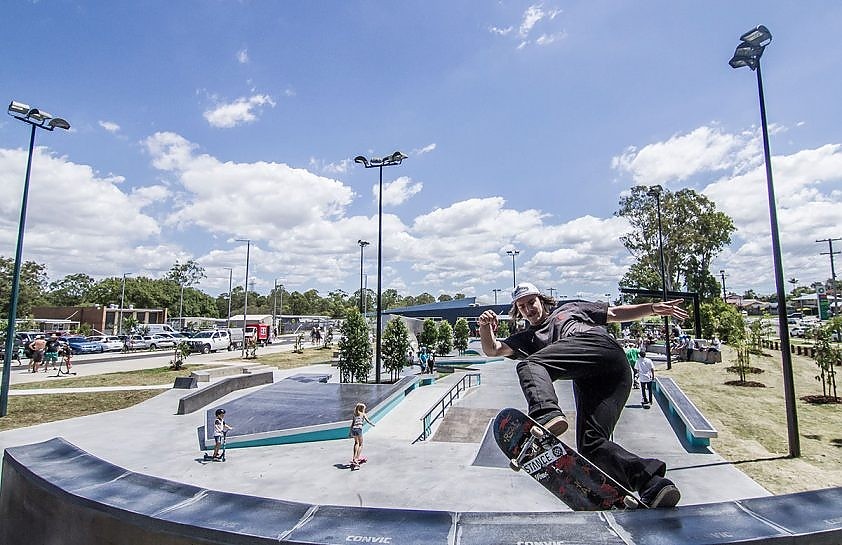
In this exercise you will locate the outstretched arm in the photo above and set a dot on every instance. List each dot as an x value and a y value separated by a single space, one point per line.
630 313
488 335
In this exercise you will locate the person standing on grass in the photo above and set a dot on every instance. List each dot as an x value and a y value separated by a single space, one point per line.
646 375
569 342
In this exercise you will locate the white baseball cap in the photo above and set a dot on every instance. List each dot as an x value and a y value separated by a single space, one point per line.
524 289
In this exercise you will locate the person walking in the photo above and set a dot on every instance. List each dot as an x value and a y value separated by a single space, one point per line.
570 342
646 375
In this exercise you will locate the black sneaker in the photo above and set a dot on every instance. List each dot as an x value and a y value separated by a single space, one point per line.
555 422
660 492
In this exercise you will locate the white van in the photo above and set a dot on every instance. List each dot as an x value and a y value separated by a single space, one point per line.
159 328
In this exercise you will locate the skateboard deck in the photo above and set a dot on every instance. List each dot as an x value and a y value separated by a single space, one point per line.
558 467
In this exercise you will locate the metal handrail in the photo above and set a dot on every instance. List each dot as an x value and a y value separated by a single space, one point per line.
446 401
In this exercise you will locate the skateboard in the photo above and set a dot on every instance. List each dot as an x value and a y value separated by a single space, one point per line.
558 467
356 465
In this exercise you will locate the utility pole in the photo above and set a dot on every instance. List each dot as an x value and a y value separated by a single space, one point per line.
830 253
724 293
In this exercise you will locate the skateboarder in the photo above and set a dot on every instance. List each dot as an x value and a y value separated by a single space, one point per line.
646 371
357 423
568 342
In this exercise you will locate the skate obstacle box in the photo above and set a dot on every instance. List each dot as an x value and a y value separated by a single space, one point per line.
54 492
681 411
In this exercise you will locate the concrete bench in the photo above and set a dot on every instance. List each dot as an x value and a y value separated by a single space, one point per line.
697 429
54 492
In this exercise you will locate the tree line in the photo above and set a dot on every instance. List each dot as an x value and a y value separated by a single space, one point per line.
177 288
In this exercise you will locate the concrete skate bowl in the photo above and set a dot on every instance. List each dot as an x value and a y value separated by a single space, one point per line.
55 493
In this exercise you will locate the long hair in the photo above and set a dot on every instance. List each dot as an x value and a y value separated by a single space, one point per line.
548 302
359 409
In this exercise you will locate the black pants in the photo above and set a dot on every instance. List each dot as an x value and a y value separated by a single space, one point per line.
646 387
602 379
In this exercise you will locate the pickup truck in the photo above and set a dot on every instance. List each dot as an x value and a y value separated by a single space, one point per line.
209 341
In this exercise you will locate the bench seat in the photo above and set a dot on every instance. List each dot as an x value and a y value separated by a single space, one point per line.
697 429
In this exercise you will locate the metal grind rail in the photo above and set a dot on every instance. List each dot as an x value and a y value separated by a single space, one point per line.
469 380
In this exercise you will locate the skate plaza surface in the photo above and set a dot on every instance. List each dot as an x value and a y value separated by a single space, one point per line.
100 483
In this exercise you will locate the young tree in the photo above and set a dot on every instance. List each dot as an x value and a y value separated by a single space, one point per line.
444 338
722 320
395 345
354 349
461 332
429 334
827 357
503 329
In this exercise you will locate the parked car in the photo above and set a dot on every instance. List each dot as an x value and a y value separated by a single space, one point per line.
798 331
159 341
209 341
110 343
136 342
81 345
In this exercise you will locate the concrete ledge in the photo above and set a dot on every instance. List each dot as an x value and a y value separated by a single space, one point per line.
200 398
206 375
53 492
697 429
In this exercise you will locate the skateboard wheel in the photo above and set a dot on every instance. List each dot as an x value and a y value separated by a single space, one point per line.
536 432
514 465
631 502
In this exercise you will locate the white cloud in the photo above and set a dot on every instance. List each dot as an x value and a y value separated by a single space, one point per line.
533 17
241 110
338 167
398 191
242 198
705 149
110 126
426 149
78 220
243 56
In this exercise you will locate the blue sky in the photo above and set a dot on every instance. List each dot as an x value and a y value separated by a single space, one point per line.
198 123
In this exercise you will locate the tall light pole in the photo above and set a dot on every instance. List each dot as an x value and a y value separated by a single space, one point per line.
246 284
363 244
181 305
365 300
513 253
551 290
230 287
275 306
496 291
390 160
36 119
724 293
748 53
122 299
655 191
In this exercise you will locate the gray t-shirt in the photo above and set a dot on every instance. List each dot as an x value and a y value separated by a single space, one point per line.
564 321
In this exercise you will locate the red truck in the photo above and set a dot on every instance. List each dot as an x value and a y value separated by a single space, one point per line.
260 330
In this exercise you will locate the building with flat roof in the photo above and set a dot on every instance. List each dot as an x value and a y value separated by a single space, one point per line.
104 319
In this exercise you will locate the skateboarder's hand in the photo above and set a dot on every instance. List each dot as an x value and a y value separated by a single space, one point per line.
489 317
670 308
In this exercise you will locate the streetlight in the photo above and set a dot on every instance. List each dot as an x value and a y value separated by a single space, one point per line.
246 303
275 306
181 305
655 191
363 244
37 119
230 287
496 291
748 53
551 290
724 293
513 253
122 298
388 161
